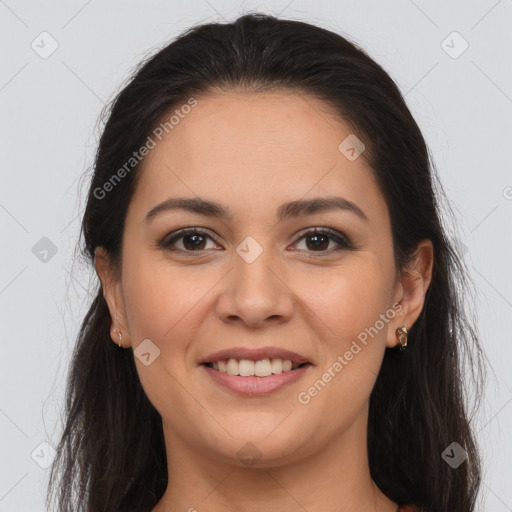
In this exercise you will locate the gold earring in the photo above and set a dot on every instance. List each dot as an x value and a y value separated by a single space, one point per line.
401 334
120 335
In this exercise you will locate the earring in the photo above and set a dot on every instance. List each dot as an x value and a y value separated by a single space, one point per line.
120 335
401 334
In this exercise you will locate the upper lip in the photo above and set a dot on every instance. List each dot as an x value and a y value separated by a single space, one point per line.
255 354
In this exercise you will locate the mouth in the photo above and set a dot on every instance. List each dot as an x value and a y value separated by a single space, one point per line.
255 378
255 372
265 367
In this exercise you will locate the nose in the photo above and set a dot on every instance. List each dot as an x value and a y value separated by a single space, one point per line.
255 293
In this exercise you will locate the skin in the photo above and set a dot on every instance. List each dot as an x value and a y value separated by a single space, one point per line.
251 153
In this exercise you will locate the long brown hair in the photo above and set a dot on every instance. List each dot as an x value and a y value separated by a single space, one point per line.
111 456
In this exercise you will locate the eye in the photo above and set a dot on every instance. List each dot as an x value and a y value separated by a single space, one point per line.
321 237
192 240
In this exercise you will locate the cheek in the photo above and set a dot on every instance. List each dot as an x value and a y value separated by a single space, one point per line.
348 300
355 308
159 297
161 304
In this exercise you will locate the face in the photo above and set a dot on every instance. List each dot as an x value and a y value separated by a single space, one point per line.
258 278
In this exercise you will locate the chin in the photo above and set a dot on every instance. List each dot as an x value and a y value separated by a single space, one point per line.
263 447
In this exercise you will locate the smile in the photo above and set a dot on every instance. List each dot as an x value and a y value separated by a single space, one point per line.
260 368
255 378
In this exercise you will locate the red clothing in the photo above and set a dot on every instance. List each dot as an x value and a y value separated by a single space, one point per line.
409 508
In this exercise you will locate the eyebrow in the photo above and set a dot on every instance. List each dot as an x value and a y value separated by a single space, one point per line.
289 210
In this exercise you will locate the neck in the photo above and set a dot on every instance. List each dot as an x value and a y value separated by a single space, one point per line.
334 479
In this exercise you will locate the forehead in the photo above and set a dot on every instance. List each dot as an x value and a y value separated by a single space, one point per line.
244 148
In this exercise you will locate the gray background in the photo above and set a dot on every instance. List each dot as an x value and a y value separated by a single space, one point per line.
49 112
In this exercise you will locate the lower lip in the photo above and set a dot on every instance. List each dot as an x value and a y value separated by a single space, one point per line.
256 386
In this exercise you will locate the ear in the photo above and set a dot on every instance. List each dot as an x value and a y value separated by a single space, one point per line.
410 290
113 293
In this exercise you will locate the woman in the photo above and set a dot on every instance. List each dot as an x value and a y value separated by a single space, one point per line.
280 322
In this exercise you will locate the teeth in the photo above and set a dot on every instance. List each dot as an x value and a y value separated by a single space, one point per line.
232 367
263 368
277 365
248 368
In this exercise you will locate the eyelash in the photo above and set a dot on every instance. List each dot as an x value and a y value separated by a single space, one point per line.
342 241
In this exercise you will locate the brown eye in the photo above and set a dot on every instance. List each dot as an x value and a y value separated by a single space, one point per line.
318 240
192 240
